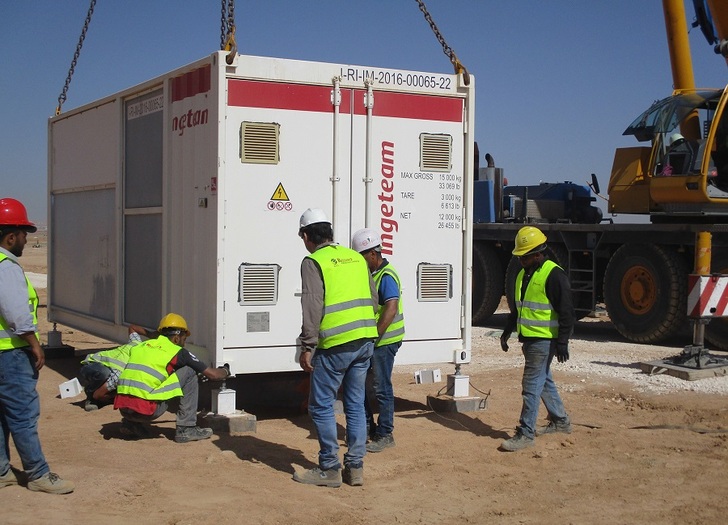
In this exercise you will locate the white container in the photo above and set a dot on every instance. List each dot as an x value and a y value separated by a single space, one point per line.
190 187
70 388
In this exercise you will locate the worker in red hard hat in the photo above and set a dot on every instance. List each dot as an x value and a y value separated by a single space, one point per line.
21 358
544 318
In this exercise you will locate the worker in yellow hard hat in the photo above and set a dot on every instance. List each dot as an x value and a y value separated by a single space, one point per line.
100 371
544 319
161 375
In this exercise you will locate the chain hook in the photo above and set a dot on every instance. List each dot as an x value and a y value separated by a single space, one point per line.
227 30
449 52
62 96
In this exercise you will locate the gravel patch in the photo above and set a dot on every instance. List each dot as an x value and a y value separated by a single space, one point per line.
594 359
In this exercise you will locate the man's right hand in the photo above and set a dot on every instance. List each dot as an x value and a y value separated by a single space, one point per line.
504 340
305 360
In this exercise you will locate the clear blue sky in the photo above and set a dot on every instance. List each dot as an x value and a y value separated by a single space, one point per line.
557 82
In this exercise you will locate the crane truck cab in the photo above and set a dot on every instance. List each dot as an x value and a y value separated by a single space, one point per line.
685 180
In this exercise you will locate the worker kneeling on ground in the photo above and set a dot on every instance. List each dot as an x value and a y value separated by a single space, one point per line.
161 375
544 318
99 374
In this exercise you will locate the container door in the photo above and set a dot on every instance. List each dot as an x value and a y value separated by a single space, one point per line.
287 149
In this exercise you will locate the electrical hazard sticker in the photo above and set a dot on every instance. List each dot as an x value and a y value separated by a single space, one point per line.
279 201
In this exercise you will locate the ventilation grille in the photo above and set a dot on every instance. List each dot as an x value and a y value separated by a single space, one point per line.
434 282
435 152
258 284
259 142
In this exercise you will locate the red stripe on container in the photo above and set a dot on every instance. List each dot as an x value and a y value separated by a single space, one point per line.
301 97
191 83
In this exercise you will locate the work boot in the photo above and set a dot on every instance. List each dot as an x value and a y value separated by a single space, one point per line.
9 478
52 484
318 477
379 443
185 434
517 442
134 430
554 427
353 476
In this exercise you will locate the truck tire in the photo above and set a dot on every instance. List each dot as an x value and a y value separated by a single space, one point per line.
645 292
716 331
487 282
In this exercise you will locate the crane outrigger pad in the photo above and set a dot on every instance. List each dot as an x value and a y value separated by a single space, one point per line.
692 364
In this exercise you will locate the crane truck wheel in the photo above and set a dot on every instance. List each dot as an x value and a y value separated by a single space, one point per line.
716 331
645 292
487 282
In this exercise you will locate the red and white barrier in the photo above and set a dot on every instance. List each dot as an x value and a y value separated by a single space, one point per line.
707 296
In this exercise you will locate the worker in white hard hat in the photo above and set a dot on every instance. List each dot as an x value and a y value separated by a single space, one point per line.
390 327
338 301
21 359
161 375
544 319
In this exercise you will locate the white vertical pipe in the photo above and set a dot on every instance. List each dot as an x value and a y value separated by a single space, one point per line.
336 102
369 105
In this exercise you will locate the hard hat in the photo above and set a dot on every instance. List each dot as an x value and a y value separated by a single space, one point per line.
365 239
312 216
13 213
675 137
528 239
174 321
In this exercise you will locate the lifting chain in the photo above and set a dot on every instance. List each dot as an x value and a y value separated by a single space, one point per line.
62 96
227 29
459 67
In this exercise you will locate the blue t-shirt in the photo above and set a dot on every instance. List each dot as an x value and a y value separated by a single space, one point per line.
388 289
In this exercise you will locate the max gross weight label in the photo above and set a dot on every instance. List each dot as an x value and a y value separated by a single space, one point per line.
450 215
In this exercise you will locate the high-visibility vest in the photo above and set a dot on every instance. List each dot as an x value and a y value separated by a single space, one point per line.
146 375
348 310
536 316
395 331
116 358
9 341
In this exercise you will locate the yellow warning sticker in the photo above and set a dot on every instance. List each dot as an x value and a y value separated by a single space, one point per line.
280 194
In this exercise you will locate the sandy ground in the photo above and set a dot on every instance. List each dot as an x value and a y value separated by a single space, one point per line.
638 453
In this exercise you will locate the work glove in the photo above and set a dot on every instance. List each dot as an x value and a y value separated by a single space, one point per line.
504 340
562 352
227 370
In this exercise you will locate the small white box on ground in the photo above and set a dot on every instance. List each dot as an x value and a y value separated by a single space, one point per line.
70 388
428 376
223 401
458 385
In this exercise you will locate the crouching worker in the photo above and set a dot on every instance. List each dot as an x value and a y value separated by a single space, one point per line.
161 375
99 374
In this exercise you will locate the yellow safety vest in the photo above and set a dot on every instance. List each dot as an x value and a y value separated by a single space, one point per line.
116 358
395 331
348 310
536 316
9 341
146 376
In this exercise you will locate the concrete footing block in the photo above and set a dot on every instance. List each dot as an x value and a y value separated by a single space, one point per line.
456 404
236 424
